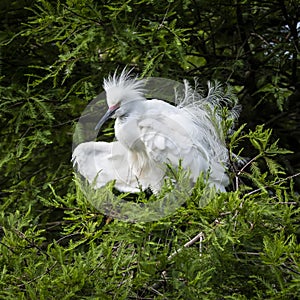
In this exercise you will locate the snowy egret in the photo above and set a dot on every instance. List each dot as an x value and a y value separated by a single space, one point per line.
152 133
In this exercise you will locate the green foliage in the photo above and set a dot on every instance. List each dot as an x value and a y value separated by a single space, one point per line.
54 244
248 248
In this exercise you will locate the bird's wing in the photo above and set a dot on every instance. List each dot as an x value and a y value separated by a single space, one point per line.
101 162
169 137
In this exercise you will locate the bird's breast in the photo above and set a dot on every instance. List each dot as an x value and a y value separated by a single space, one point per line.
128 134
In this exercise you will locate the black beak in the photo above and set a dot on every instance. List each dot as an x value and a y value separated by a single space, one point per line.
106 116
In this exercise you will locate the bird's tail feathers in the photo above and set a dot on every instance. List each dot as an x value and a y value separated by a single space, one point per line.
219 104
213 115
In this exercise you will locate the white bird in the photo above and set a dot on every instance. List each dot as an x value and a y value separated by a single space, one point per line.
152 133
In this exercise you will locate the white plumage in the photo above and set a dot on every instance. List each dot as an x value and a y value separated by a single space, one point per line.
152 133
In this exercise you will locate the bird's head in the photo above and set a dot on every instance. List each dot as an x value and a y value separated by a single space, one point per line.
121 90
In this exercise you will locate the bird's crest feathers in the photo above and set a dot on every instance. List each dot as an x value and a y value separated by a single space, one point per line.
123 87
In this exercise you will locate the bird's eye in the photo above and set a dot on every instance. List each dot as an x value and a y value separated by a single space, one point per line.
123 116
